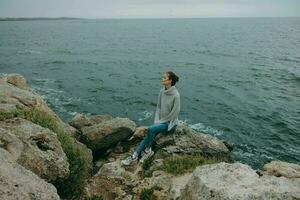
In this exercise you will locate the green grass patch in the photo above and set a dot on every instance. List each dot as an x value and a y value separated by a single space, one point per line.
146 167
94 198
78 157
178 165
147 194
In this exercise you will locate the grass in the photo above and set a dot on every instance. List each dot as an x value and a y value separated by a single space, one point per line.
94 198
181 164
78 157
146 167
147 194
176 164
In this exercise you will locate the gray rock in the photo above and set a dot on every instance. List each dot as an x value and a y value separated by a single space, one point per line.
107 133
35 148
79 121
188 141
178 183
6 107
279 168
18 183
239 182
17 80
113 170
13 95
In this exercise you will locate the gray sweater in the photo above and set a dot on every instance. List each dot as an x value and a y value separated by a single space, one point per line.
168 107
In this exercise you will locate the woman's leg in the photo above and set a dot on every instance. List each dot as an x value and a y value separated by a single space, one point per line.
153 130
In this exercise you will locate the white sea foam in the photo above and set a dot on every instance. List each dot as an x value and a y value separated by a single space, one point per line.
206 129
145 115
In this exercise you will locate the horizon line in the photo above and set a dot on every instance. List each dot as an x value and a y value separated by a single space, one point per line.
95 18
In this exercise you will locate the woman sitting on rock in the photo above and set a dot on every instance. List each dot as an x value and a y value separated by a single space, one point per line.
166 118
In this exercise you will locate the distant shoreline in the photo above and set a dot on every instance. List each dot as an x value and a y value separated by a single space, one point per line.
75 18
38 18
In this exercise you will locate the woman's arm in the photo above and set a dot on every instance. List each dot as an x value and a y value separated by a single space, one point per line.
156 116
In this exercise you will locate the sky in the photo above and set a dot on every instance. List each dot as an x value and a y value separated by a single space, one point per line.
149 8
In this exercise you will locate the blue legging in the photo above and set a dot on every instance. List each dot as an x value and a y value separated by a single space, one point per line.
153 130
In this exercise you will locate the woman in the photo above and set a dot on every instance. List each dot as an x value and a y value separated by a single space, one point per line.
165 120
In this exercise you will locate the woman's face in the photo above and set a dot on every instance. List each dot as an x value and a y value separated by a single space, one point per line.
165 80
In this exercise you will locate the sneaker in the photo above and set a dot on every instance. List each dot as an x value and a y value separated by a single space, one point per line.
146 155
129 160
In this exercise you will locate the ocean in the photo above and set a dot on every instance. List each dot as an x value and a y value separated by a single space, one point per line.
239 77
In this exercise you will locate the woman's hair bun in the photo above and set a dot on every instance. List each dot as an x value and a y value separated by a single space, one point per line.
173 77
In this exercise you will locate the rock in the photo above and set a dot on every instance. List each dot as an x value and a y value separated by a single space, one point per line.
11 143
161 180
70 130
106 187
35 148
13 96
279 168
178 183
7 107
17 80
107 133
111 182
16 182
98 164
18 96
113 169
97 119
237 181
79 121
188 141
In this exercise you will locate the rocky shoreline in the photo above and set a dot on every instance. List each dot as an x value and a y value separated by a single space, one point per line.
46 158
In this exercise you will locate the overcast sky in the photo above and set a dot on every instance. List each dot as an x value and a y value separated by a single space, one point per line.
149 8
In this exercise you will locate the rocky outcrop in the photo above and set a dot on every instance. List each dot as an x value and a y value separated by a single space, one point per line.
17 80
15 94
185 140
13 91
279 168
35 148
79 120
107 133
31 154
16 182
237 181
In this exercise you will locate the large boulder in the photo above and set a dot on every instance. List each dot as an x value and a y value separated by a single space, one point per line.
111 182
16 182
79 120
13 92
35 148
107 133
279 168
17 80
113 169
239 182
178 183
185 140
15 95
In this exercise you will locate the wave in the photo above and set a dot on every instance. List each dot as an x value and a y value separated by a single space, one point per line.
29 52
145 115
211 53
286 59
60 62
42 81
206 129
65 52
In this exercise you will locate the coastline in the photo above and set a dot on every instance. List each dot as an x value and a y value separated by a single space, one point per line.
185 161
